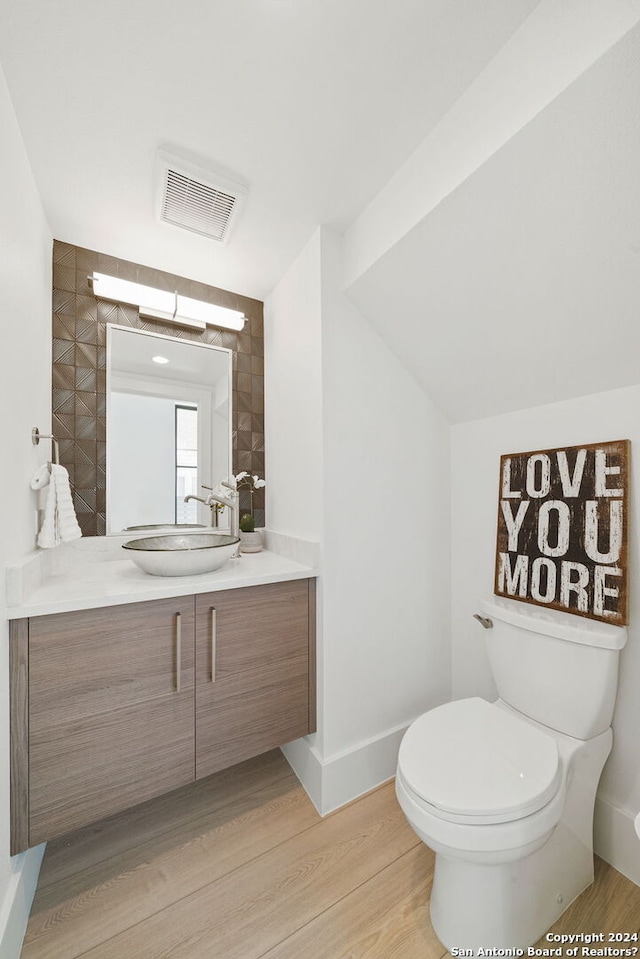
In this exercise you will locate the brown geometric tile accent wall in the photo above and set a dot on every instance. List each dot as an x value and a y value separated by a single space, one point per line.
79 371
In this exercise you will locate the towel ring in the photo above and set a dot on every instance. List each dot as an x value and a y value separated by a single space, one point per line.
36 436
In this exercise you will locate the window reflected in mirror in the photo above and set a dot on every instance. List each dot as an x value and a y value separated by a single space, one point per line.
186 472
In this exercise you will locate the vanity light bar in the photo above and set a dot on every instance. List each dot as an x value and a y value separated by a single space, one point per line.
165 305
174 317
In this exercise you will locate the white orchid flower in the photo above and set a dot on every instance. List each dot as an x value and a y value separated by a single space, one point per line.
246 481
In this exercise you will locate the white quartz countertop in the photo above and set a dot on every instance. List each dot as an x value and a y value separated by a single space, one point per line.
114 581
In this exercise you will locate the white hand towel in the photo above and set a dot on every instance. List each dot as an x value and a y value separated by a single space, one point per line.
41 478
60 524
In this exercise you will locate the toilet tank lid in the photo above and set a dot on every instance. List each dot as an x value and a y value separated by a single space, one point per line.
553 622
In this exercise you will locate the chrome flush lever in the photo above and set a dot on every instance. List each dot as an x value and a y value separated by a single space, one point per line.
484 621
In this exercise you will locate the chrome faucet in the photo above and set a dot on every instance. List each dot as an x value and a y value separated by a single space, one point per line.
230 501
199 498
205 502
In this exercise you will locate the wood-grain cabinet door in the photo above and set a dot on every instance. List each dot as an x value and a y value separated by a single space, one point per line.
252 672
110 711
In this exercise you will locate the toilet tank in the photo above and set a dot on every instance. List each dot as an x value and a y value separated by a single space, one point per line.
557 668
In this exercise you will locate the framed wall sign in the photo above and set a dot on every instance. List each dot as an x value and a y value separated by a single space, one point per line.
562 529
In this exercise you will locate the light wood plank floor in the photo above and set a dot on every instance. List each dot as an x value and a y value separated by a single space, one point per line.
240 866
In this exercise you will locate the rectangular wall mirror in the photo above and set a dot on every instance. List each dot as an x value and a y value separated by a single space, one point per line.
169 428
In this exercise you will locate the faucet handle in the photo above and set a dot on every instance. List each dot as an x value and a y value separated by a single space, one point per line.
484 621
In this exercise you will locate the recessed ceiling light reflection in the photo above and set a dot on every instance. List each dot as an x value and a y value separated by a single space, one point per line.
159 359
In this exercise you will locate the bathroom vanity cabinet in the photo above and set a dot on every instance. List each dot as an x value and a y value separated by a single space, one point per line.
252 672
114 706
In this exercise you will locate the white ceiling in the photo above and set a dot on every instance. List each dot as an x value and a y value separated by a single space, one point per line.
313 105
522 287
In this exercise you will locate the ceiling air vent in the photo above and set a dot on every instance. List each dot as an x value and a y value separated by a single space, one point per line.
196 199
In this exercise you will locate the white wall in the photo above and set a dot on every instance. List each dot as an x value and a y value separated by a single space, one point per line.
476 449
372 458
25 401
386 530
293 398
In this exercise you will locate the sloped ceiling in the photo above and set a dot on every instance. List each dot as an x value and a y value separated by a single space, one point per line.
522 287
312 105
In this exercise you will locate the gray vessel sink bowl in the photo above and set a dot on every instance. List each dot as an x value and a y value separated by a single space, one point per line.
167 526
181 554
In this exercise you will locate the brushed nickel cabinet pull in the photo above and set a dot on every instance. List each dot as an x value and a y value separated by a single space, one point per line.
213 644
178 649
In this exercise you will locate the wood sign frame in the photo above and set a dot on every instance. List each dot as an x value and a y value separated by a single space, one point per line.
562 529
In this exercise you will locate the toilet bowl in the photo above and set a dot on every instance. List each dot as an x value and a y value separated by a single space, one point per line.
479 782
504 799
507 806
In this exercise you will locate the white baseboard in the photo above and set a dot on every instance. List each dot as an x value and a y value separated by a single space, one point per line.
15 909
615 839
336 780
307 765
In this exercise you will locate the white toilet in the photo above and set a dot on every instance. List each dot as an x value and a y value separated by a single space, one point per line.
504 792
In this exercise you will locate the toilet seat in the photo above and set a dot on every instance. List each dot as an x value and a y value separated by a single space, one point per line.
472 762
